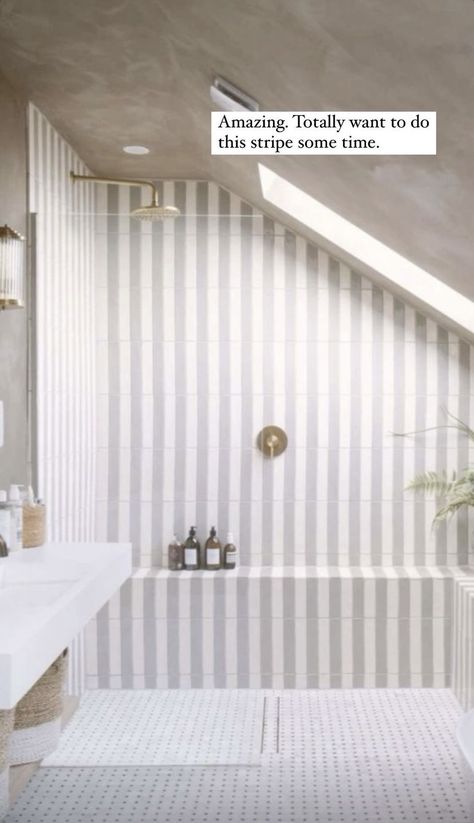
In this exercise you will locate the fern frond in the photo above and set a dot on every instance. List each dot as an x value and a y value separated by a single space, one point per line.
421 431
460 425
446 512
433 482
458 489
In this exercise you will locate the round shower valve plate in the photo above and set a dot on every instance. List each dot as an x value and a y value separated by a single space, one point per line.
272 441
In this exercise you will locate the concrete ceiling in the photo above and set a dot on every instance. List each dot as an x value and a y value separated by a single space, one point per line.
119 72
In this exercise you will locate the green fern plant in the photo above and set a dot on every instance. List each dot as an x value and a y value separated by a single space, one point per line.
456 489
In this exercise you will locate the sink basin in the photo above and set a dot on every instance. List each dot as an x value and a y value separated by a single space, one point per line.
47 596
31 595
33 569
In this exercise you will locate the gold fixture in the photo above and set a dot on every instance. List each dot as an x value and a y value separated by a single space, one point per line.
152 212
272 441
11 269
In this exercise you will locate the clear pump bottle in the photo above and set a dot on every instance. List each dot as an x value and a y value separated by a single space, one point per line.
6 520
175 555
16 507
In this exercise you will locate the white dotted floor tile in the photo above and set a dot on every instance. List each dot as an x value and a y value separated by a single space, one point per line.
368 722
137 795
163 728
280 792
327 757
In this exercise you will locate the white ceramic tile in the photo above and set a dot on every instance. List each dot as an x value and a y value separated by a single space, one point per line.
154 728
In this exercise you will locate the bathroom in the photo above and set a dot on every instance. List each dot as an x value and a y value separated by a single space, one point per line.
280 348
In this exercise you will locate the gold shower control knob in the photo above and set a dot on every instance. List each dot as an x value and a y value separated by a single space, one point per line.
272 441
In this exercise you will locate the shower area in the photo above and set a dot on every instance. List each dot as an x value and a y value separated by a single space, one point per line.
193 334
349 617
211 327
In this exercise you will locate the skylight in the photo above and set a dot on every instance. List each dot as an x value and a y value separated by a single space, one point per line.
313 214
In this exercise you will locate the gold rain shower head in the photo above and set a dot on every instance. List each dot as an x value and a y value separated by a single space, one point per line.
152 212
155 212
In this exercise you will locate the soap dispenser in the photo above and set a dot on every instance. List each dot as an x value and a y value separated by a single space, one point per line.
192 551
230 553
213 551
6 523
175 555
16 508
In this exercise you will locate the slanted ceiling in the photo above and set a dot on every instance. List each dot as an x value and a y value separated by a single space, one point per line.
122 72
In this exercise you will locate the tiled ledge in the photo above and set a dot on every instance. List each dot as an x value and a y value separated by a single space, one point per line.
279 626
463 642
304 572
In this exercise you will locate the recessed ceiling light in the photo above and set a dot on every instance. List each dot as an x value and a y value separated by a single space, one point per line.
136 150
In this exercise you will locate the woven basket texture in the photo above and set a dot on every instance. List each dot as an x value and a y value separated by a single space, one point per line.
6 727
34 526
4 792
44 701
34 744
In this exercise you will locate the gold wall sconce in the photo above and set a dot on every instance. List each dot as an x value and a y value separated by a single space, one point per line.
272 441
12 274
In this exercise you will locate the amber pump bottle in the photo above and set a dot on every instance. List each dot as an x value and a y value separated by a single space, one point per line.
230 553
213 551
175 555
192 551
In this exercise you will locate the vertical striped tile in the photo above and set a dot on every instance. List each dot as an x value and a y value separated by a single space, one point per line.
66 362
211 327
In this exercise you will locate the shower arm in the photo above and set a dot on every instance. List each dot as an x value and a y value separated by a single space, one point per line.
113 181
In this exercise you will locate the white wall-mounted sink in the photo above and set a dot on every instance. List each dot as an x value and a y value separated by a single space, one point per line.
47 596
31 596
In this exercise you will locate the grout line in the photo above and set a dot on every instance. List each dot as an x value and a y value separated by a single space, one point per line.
143 766
262 741
278 726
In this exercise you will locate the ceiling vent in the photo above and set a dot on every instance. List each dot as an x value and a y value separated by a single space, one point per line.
229 98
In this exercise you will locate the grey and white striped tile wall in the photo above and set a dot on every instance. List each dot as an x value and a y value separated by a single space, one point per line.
65 330
275 628
65 290
210 327
463 642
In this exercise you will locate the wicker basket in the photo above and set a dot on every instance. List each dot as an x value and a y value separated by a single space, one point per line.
6 727
38 714
34 525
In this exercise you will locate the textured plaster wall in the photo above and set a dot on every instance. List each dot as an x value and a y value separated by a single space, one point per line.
147 82
13 327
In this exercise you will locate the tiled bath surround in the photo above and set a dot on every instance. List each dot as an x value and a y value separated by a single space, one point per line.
463 641
222 321
276 628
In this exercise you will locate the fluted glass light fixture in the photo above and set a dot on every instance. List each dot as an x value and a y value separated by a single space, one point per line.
11 269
